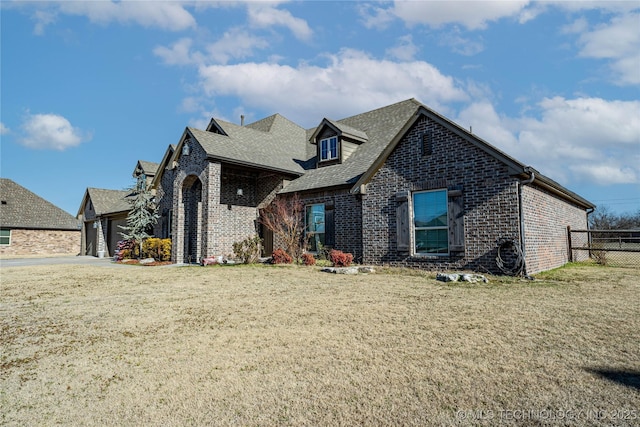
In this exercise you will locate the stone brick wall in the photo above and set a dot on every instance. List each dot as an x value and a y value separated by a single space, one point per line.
190 168
347 211
490 198
164 197
546 218
43 242
221 216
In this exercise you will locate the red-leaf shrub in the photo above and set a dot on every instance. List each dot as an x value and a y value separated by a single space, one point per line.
308 259
279 256
340 259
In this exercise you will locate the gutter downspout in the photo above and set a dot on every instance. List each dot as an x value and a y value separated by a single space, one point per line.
521 184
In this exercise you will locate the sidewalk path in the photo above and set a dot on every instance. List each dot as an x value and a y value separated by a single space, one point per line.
83 260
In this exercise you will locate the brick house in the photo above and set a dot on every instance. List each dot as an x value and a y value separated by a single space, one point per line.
102 212
400 185
30 225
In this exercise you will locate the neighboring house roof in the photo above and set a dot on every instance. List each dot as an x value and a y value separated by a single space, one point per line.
105 201
148 168
20 208
274 143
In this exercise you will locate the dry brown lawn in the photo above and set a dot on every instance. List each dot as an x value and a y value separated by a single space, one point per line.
275 345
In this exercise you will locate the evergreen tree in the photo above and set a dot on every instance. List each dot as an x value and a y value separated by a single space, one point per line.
142 216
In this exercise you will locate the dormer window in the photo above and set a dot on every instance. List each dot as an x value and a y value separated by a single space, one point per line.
329 148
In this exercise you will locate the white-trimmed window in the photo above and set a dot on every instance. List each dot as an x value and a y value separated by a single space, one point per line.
315 224
329 148
5 237
430 222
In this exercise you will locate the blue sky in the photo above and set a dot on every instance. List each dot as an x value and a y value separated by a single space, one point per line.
88 88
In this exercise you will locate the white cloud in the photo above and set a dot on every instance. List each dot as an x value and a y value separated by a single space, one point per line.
573 140
404 50
235 43
473 15
50 131
3 129
307 93
179 53
576 27
43 18
619 41
609 173
375 17
264 15
459 44
159 14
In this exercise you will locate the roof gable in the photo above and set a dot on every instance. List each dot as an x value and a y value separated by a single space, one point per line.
21 208
274 143
147 168
214 127
341 129
380 126
515 167
106 201
164 164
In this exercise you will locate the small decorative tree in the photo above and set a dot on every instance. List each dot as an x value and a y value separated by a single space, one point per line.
285 217
142 215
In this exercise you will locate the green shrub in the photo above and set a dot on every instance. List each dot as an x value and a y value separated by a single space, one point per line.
248 250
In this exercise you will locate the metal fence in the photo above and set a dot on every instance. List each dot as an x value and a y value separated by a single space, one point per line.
616 248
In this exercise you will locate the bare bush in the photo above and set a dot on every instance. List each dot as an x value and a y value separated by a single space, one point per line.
285 218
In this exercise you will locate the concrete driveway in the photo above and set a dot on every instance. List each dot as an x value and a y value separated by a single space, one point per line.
84 260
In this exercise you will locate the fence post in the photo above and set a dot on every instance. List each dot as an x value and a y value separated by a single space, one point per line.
569 243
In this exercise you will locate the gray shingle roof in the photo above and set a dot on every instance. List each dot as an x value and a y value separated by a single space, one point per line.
108 201
149 168
349 131
380 125
21 208
273 143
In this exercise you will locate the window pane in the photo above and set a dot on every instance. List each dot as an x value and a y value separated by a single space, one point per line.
5 237
430 222
432 241
430 209
323 149
315 225
334 147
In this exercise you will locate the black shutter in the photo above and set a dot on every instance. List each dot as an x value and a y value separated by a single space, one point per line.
456 221
329 227
402 222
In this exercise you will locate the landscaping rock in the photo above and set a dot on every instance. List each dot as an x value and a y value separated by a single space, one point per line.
465 277
473 278
213 260
147 261
366 270
447 277
341 270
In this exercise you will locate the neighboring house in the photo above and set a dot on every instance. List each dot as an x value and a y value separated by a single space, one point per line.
30 225
400 185
103 212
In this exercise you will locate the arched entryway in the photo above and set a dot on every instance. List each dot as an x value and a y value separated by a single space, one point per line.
192 202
